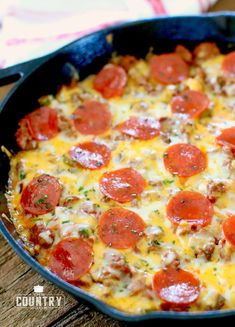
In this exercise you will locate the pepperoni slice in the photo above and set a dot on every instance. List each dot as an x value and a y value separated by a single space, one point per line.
43 123
191 207
23 137
92 117
227 138
143 128
110 81
90 155
192 103
122 185
176 286
168 68
127 62
36 235
184 160
228 65
229 230
71 259
41 195
120 228
205 50
184 53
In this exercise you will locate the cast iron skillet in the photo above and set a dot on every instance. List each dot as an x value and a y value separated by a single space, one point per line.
44 75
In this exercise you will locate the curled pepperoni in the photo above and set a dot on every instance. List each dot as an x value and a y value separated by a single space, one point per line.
110 81
90 155
229 230
176 286
120 228
41 235
184 160
43 123
168 68
228 65
191 207
92 117
205 50
143 128
41 195
122 185
127 62
71 259
191 103
184 53
227 138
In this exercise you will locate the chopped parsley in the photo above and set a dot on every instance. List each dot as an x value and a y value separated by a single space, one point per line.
156 242
167 181
144 262
65 221
22 175
84 232
43 201
86 193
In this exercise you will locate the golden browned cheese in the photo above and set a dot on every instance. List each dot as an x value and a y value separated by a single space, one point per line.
133 293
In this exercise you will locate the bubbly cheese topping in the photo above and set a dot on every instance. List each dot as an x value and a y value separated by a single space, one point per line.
133 292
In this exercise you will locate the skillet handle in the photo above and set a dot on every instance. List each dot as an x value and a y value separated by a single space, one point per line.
17 72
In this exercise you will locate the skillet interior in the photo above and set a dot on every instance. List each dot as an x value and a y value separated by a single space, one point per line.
88 55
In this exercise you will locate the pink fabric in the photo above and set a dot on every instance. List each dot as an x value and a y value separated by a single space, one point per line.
31 29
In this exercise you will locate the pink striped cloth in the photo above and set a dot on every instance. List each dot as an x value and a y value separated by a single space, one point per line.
30 29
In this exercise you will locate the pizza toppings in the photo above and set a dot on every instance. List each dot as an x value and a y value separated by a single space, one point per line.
39 125
190 207
91 155
110 81
205 50
122 185
23 137
127 62
92 117
71 259
184 53
41 195
43 123
120 228
229 230
168 68
164 217
184 160
228 65
227 138
191 103
41 235
143 128
176 286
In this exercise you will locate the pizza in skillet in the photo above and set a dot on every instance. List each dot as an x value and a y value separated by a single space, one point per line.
124 185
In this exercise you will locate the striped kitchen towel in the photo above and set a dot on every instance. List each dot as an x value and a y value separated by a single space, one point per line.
30 29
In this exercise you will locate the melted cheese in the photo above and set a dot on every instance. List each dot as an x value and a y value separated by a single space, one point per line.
217 275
